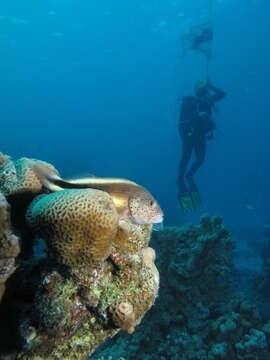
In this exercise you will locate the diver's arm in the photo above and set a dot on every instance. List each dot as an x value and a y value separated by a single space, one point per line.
218 94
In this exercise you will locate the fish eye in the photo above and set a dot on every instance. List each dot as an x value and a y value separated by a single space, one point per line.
152 203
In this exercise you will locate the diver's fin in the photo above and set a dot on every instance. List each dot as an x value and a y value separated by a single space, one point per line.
194 193
196 199
186 204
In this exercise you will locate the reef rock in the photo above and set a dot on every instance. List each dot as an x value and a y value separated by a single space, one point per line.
96 277
17 177
72 313
20 185
9 246
198 314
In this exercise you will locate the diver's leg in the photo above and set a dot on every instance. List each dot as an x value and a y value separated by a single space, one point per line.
200 152
187 147
184 197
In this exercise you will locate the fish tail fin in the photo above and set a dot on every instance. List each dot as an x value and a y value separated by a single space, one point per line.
47 177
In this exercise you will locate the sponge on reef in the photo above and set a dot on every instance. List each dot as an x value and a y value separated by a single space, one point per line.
123 316
78 225
111 280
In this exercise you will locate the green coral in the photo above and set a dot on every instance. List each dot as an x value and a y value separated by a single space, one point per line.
76 325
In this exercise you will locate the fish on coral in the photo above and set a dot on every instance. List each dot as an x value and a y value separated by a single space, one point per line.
71 315
96 280
132 201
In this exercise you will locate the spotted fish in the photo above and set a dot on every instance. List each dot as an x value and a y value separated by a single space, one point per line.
132 201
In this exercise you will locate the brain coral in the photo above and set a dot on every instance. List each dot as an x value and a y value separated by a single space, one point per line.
78 225
17 177
111 280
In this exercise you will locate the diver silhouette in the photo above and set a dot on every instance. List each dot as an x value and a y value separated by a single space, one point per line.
196 127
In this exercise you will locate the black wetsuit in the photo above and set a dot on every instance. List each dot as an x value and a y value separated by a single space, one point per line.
206 35
194 125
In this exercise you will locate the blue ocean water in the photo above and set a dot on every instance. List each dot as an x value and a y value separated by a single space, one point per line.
93 86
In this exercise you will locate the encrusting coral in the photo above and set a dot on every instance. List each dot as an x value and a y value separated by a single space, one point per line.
9 246
3 158
129 242
198 315
149 257
17 177
20 184
71 315
96 278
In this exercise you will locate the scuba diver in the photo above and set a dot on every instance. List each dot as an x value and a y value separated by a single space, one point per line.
196 127
204 37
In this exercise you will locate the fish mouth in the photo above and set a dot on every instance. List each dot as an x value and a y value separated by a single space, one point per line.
157 219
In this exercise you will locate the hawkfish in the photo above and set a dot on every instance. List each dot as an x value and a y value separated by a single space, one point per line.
132 201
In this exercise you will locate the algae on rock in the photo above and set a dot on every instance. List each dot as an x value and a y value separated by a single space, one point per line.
93 281
198 314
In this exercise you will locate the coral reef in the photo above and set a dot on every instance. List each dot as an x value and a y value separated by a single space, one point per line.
17 177
264 280
123 316
198 314
71 314
97 276
253 343
78 225
9 246
149 257
20 184
3 158
254 280
130 240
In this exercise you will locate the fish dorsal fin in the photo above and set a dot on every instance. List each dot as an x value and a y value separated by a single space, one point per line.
82 177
